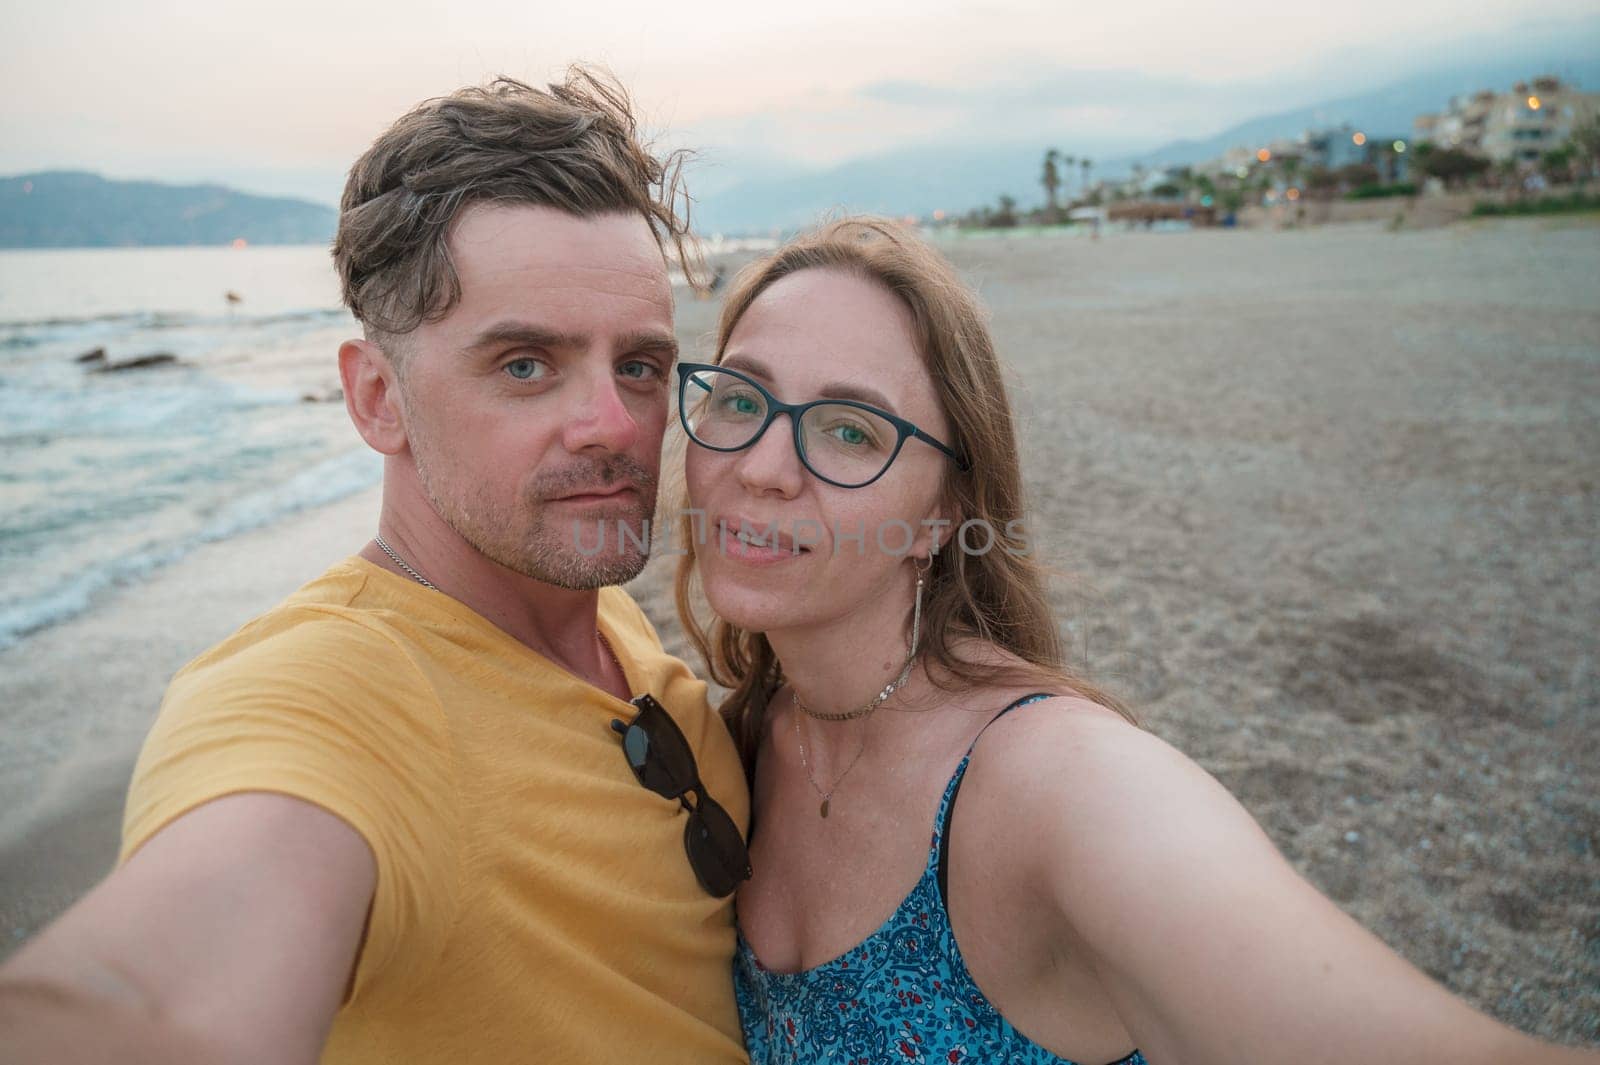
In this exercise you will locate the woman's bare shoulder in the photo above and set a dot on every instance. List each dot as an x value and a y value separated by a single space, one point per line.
1125 848
1064 734
1087 784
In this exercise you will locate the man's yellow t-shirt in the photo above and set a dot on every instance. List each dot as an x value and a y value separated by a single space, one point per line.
534 901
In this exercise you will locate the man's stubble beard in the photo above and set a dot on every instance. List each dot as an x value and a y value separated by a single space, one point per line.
545 552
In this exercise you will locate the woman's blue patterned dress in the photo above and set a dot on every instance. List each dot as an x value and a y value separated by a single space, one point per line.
902 995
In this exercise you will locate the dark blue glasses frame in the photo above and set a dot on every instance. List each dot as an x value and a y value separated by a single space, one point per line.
795 411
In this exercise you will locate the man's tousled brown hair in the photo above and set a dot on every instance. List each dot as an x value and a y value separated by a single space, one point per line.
573 146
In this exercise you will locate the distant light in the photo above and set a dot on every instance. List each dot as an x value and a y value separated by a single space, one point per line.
1534 103
938 216
1206 201
27 188
239 242
1400 146
1264 155
1359 139
1293 194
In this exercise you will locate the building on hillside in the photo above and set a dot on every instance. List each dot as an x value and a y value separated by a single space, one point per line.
1534 118
1460 125
1229 162
1326 149
1335 148
1160 180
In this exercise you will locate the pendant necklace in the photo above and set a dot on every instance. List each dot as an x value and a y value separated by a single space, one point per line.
861 711
825 796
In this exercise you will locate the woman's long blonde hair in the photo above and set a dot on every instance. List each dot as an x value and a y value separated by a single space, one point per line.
997 596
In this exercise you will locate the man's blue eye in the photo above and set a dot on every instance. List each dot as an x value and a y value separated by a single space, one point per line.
525 369
637 369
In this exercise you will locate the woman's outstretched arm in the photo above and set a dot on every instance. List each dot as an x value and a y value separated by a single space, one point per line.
1210 945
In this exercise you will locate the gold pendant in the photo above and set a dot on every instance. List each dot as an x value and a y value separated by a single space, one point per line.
824 807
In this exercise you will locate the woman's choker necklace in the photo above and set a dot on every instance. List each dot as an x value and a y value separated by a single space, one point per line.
860 711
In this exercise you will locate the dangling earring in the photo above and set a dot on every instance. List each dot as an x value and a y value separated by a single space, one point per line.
888 689
916 610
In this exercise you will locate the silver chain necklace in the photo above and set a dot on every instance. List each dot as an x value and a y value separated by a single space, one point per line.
403 564
420 579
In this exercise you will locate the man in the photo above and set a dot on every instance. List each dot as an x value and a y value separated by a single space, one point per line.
391 820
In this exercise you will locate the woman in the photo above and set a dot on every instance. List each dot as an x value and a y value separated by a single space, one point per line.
890 649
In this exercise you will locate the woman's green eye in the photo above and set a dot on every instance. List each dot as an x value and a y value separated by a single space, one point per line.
744 405
525 369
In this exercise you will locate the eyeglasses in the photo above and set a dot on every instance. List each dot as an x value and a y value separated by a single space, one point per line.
845 443
662 760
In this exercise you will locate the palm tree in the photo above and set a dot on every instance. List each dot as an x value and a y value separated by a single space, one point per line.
1086 164
1586 139
1071 161
1051 178
1290 165
1006 216
1507 177
1556 164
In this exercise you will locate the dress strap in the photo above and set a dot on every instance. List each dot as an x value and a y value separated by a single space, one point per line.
942 833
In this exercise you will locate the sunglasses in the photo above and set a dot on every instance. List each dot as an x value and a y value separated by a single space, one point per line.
660 758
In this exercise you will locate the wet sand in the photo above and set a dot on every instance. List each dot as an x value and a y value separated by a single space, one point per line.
1325 502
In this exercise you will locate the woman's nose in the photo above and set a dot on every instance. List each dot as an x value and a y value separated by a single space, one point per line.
772 463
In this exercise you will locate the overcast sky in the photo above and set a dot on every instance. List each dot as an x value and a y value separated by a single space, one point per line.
280 98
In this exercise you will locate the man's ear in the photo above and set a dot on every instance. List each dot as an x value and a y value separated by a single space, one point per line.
372 396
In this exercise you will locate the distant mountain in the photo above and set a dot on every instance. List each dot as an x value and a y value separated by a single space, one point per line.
957 177
914 181
76 209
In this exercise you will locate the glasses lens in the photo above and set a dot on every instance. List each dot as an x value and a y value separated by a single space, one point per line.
720 410
716 850
847 444
658 753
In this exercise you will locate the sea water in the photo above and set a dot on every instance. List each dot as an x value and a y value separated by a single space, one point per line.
104 477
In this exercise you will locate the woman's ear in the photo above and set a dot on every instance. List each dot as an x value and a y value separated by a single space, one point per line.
372 396
938 528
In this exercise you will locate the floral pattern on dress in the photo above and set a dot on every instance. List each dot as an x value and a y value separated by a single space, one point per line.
901 995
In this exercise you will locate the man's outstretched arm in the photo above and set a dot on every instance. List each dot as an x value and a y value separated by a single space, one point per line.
230 936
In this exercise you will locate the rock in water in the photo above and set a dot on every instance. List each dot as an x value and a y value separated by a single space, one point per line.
94 355
138 362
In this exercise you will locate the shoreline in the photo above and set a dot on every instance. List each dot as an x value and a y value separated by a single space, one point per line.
1336 498
81 695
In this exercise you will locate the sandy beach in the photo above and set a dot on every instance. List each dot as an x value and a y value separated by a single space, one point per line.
1323 503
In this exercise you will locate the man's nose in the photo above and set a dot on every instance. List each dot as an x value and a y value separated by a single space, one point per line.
600 417
771 463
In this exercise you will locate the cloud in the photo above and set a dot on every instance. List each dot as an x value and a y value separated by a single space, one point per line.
765 91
